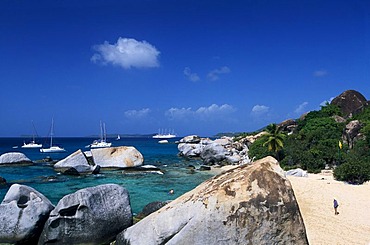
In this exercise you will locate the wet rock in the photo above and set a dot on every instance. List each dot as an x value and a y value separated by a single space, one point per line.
2 181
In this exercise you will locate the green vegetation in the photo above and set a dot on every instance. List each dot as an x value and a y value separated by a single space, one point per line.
314 145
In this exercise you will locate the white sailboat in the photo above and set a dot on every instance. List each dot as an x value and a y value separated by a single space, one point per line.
32 143
102 142
164 135
52 148
118 137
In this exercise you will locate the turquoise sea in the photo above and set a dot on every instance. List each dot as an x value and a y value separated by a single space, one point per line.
143 187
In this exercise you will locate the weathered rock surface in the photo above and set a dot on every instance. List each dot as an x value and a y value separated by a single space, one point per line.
14 158
23 213
352 132
350 102
92 215
117 157
250 204
76 160
219 151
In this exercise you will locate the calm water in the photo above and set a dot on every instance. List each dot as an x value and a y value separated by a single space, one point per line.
143 187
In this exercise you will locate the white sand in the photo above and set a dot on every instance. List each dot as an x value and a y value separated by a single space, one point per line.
315 196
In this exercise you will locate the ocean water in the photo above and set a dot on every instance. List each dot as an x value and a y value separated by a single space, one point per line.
143 188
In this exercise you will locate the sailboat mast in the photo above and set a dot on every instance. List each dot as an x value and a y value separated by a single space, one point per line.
51 132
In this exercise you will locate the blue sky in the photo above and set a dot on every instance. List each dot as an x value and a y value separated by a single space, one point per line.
196 67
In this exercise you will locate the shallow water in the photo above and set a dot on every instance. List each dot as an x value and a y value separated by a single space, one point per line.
142 187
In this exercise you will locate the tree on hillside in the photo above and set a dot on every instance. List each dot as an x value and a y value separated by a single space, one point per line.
274 139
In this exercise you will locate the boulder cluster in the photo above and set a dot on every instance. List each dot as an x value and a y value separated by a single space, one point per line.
223 151
249 204
81 162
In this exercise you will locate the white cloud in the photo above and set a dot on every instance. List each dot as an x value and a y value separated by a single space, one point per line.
301 108
211 112
127 53
179 113
320 73
137 114
191 76
215 109
326 101
260 109
215 74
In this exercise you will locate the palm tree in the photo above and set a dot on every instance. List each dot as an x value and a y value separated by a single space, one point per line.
275 139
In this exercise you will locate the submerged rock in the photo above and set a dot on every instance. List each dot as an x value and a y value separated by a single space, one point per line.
23 213
92 215
250 204
2 181
14 158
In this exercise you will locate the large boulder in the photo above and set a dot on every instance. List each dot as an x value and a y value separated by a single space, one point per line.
23 213
352 132
191 139
117 157
14 158
213 154
76 160
92 215
250 204
350 102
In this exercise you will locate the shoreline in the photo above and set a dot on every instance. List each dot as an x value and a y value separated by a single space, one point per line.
315 195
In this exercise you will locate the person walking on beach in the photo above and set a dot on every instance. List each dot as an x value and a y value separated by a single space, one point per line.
336 207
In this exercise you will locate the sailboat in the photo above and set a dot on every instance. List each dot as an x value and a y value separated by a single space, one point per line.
102 142
32 143
52 148
164 135
118 137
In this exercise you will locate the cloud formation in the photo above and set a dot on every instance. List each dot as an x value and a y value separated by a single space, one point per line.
137 114
190 75
211 112
127 53
320 73
215 74
301 108
260 109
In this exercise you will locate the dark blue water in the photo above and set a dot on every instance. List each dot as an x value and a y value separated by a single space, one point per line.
143 187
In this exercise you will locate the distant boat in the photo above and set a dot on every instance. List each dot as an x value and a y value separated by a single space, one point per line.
102 142
164 135
32 143
163 141
118 137
52 148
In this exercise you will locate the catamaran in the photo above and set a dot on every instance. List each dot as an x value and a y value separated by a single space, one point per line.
32 143
52 148
102 142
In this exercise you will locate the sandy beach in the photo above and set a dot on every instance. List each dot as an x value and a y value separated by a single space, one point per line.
315 195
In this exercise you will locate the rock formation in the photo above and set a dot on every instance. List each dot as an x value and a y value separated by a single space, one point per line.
117 157
220 151
92 215
14 158
350 103
23 213
250 204
76 160
352 133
